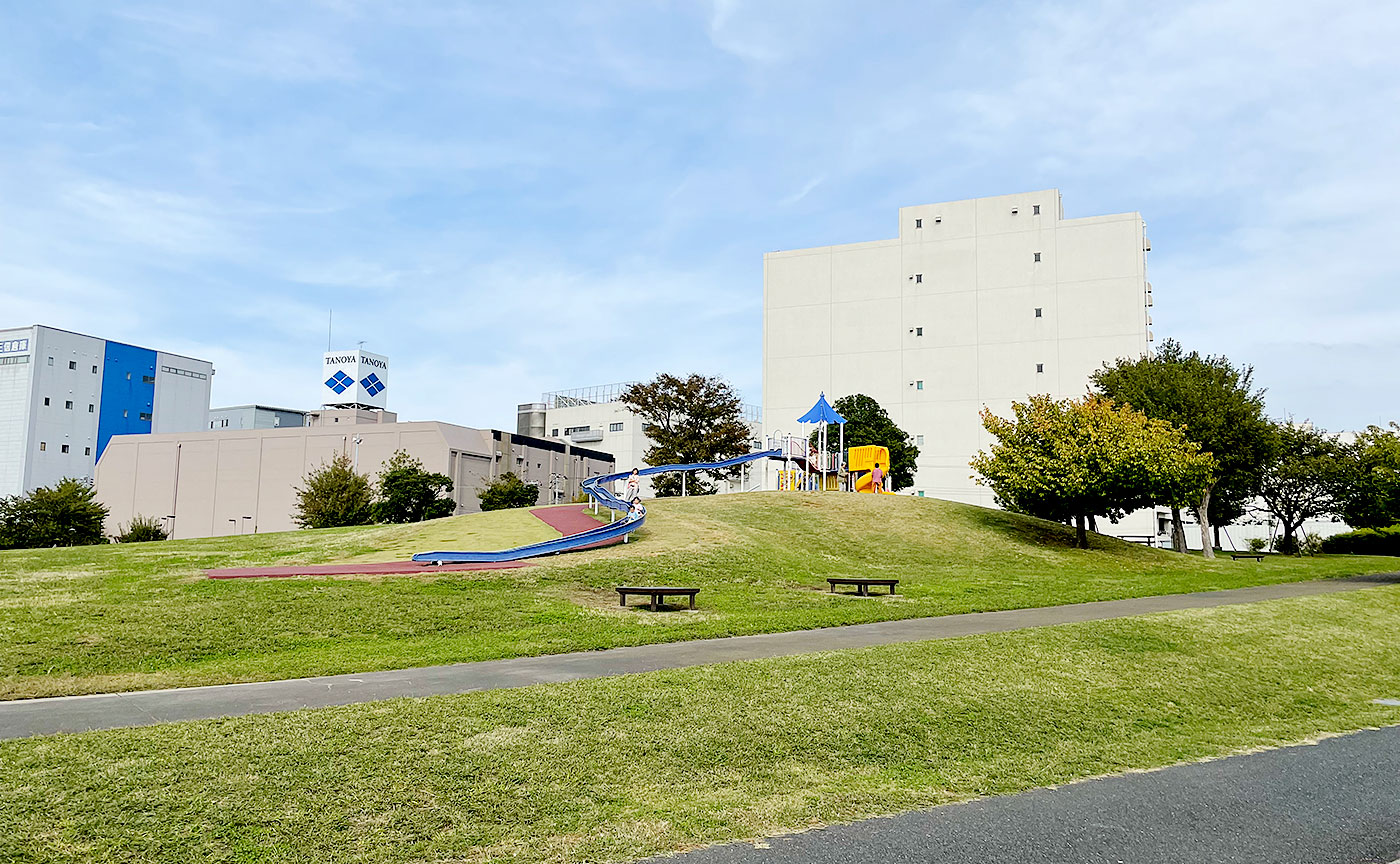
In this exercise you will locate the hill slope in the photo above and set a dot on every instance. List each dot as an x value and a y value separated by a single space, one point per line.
130 617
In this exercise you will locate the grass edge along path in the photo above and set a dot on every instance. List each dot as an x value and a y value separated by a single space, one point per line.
619 769
141 617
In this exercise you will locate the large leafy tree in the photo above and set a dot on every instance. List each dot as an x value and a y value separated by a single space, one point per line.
408 493
334 494
1372 496
1215 404
693 419
1302 479
64 514
1069 460
508 491
867 424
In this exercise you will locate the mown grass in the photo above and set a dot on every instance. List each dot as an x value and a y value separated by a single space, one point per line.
617 769
128 617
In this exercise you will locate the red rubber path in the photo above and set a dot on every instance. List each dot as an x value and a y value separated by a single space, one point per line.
566 521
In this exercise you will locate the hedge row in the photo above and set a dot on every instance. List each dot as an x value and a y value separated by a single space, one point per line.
1365 541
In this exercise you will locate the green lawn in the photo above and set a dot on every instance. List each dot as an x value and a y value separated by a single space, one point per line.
97 619
617 769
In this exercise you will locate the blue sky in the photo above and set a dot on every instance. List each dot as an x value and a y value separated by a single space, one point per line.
510 198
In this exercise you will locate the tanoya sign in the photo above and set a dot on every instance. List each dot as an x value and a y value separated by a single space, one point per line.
355 378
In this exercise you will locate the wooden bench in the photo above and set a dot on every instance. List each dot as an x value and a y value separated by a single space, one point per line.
862 585
1235 556
656 593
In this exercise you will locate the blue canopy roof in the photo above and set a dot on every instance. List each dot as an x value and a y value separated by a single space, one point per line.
822 412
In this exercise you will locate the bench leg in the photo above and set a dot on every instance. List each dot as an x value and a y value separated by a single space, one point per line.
863 590
831 586
891 589
622 599
655 598
692 601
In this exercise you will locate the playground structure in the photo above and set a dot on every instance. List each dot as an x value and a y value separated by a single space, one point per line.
805 468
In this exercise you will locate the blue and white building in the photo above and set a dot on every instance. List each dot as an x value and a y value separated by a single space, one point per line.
63 396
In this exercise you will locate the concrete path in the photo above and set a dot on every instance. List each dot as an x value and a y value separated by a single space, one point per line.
27 717
1336 802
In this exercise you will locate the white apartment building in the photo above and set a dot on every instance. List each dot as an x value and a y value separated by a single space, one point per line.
64 395
974 304
596 416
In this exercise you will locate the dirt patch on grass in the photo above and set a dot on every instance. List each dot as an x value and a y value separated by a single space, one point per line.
603 601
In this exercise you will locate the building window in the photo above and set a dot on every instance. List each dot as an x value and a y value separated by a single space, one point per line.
918 223
50 361
151 379
1037 312
1035 209
87 451
1037 256
128 376
921 493
554 433
919 440
68 404
46 401
918 278
124 414
91 407
1040 367
73 364
937 219
918 331
63 448
572 429
144 415
94 370
43 445
614 427
1015 210
919 385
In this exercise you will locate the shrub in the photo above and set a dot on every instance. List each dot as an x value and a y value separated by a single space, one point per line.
1365 541
508 491
335 495
407 493
142 529
64 514
1257 544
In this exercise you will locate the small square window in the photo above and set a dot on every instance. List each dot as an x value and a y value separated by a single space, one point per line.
1015 210
46 400
1037 256
1038 312
919 440
50 361
937 219
918 278
919 385
1035 209
921 493
73 364
1040 367
554 433
90 407
43 445
918 223
87 451
68 403
918 331
144 415
94 370
151 379
63 448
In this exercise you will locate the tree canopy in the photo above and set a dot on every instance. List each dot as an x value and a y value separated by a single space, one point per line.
1071 460
335 494
64 514
1302 480
1213 402
693 419
867 423
407 493
1372 496
508 491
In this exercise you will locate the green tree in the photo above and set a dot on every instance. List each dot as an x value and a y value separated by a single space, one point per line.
694 419
64 514
1069 460
407 493
508 491
1302 479
142 529
1215 404
868 424
1372 495
335 494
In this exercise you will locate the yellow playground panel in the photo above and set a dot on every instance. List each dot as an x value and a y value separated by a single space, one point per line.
860 461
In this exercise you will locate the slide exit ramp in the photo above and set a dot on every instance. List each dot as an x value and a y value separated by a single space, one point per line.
598 488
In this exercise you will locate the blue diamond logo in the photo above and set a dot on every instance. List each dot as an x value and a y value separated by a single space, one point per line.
339 382
373 386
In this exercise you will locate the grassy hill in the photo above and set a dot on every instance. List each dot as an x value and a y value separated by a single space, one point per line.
97 619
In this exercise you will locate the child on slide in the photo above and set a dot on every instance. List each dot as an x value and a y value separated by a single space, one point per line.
877 479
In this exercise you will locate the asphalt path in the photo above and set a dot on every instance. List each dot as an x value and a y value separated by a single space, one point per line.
45 716
1335 802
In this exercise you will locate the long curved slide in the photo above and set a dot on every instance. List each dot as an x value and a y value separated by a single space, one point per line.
597 489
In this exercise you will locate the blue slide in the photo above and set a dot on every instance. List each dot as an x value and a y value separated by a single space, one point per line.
598 489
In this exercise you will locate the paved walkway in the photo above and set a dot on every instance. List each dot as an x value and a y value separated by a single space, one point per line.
1336 802
26 717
